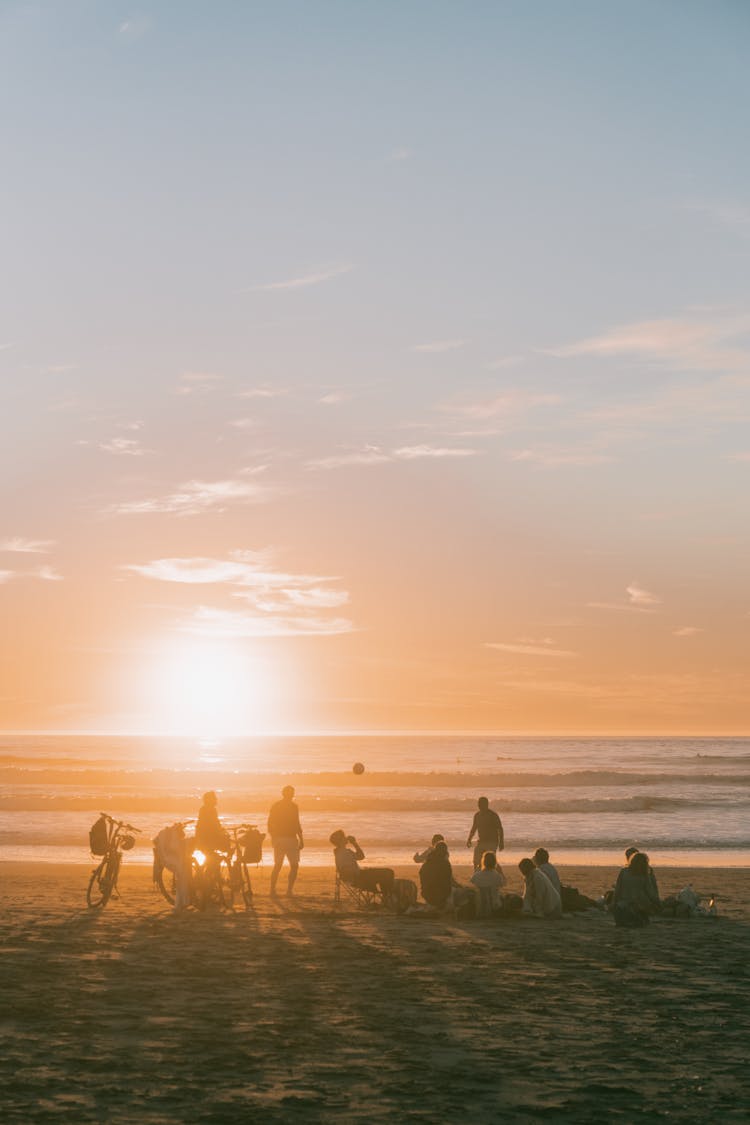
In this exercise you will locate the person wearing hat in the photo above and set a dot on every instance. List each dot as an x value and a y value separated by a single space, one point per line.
285 831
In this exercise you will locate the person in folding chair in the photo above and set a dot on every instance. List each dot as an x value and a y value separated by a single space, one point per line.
371 880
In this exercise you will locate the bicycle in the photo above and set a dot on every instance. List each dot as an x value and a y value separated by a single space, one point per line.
238 859
210 875
103 881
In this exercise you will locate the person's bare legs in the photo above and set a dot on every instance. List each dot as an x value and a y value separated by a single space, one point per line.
275 874
293 869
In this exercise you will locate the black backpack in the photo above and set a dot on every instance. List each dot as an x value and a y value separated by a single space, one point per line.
98 836
252 845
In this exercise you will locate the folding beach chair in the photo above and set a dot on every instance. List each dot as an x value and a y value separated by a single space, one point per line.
362 899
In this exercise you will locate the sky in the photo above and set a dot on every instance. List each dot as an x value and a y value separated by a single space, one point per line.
375 366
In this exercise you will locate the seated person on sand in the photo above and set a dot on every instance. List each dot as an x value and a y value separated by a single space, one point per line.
489 881
541 859
210 836
489 832
629 853
540 899
420 857
347 864
636 895
439 888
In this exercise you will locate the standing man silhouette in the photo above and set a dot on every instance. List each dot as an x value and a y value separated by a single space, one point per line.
285 831
489 830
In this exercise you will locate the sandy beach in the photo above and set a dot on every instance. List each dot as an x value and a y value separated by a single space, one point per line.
296 1011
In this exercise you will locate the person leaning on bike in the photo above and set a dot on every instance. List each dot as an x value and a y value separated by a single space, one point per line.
210 836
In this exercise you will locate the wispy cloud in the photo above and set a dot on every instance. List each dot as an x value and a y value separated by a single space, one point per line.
554 457
123 447
133 28
503 405
642 599
399 154
281 603
437 346
196 496
698 342
263 392
687 631
529 650
209 622
198 382
27 546
304 280
375 455
639 600
369 455
44 573
418 452
742 456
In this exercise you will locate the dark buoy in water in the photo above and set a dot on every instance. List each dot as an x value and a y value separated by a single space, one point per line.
358 768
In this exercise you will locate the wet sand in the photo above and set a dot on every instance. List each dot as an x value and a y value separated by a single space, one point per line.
296 1011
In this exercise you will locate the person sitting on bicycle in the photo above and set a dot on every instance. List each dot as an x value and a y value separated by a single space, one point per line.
210 836
347 864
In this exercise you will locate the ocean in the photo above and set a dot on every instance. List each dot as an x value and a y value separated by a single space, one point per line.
685 801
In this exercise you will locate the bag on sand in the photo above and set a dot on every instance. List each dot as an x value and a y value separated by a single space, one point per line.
98 836
404 894
252 845
573 901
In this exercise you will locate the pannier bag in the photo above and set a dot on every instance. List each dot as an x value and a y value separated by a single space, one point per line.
252 845
98 836
169 849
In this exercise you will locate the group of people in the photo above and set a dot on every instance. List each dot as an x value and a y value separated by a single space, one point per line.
440 889
634 899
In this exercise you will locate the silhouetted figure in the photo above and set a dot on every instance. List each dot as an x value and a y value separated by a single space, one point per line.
489 881
210 836
439 888
286 836
540 898
347 864
489 832
636 895
420 857
541 859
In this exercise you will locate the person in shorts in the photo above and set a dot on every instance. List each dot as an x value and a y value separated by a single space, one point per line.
489 832
285 831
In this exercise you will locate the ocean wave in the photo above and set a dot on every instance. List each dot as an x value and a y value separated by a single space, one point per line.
197 780
239 804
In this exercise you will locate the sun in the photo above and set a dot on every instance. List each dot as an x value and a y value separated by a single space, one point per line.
206 688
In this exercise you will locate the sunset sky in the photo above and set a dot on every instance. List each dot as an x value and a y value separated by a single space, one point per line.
375 366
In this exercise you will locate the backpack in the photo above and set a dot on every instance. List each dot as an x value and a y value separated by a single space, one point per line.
252 845
404 894
99 836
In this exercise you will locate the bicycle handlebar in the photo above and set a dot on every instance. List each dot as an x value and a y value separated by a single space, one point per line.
121 823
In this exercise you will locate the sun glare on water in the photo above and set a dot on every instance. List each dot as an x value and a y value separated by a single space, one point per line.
206 689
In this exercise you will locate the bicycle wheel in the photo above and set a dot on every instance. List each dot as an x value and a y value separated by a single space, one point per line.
227 885
103 881
247 890
94 891
166 883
